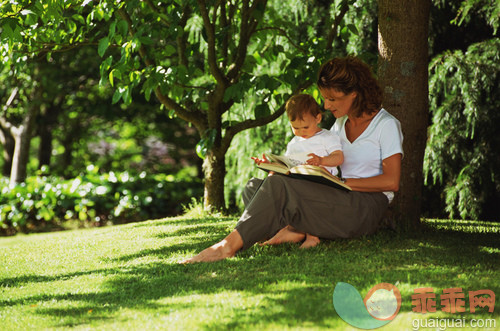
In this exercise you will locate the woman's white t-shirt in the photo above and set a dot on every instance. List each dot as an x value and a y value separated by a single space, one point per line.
363 157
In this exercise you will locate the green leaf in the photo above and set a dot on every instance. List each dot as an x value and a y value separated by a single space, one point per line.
122 27
234 92
105 65
261 110
78 18
127 95
115 73
296 63
82 215
344 33
257 57
170 50
116 96
206 143
103 46
112 29
353 29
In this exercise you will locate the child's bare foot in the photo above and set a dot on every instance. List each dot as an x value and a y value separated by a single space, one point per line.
311 241
285 235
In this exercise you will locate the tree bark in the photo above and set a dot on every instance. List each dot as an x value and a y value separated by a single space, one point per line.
403 75
45 148
6 136
214 169
22 136
45 127
8 143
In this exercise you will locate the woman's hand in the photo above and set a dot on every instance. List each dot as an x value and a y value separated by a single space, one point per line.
314 160
259 161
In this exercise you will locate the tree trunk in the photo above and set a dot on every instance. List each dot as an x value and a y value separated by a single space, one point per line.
45 148
214 168
21 152
403 75
22 137
8 143
45 126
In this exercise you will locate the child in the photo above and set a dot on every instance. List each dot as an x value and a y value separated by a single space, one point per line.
311 144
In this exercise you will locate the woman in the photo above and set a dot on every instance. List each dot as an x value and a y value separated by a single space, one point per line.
288 208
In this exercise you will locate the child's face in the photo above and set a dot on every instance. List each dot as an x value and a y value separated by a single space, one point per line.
338 103
307 126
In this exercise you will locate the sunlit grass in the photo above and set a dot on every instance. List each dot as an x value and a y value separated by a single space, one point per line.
126 277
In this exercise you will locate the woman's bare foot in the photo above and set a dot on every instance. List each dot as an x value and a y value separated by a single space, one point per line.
311 241
219 251
285 235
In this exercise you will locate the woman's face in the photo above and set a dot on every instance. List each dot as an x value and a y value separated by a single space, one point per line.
338 103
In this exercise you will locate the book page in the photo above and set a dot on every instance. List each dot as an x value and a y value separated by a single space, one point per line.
313 170
289 161
274 166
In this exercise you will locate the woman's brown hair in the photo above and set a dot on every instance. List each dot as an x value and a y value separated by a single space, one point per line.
349 74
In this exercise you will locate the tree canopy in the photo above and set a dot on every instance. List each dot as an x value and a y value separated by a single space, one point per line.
201 60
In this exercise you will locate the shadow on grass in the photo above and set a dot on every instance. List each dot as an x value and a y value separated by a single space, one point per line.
297 284
181 221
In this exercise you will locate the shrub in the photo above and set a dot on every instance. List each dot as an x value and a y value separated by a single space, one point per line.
461 158
93 198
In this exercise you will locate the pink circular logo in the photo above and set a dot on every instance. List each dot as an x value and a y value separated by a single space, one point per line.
383 301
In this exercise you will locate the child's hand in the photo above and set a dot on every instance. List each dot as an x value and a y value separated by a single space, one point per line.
314 160
259 161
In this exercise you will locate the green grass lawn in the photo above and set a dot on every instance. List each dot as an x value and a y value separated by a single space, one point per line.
126 277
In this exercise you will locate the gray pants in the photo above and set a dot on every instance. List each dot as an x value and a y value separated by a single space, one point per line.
317 209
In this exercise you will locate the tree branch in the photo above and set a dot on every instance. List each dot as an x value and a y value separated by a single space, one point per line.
336 23
183 113
212 56
181 38
253 123
142 50
284 34
225 40
246 31
4 123
187 116
155 9
12 96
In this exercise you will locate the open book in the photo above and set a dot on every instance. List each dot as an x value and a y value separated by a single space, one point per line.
283 165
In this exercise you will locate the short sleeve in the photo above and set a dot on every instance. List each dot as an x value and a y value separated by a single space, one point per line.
332 142
391 138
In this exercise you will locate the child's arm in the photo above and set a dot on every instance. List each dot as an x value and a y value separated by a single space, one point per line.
334 159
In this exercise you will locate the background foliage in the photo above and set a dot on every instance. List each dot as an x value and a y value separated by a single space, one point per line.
461 163
93 198
462 152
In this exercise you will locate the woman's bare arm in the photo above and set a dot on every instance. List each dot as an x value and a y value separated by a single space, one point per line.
387 181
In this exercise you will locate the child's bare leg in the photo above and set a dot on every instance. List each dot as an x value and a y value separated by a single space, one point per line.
219 251
286 235
310 241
